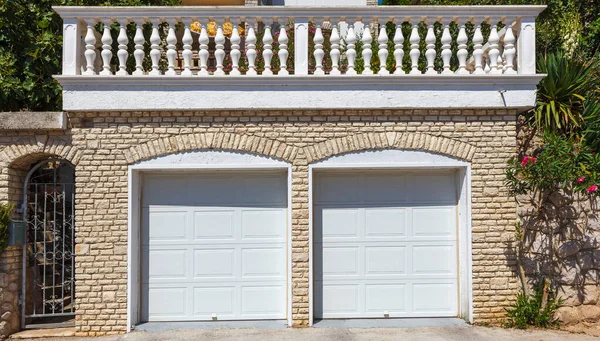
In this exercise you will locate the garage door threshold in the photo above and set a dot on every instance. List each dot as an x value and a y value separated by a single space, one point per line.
166 326
391 323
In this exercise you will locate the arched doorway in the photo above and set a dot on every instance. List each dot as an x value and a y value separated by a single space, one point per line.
48 256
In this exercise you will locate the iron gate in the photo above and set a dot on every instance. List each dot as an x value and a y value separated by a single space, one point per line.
48 257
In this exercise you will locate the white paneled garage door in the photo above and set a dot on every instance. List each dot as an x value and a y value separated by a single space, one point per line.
385 242
214 244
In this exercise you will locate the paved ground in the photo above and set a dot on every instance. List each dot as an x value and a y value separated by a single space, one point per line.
464 333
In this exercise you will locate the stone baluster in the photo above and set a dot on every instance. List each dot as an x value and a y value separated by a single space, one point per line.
319 53
478 49
367 53
509 49
462 53
283 53
430 52
446 48
267 49
334 39
203 53
155 52
219 48
98 60
139 54
398 48
350 51
250 49
414 48
90 47
187 41
171 48
382 39
122 54
106 48
235 48
494 52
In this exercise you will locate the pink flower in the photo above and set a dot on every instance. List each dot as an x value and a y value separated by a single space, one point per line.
527 160
580 179
576 150
592 189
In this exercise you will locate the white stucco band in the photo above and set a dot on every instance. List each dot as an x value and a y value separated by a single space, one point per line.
114 93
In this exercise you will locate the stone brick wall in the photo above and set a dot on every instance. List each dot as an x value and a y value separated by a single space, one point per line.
105 144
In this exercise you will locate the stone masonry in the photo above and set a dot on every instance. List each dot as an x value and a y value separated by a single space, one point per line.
102 145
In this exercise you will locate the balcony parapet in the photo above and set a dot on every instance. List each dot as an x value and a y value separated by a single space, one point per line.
449 55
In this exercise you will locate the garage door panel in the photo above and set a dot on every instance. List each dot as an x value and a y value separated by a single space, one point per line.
339 299
434 189
435 260
214 300
263 300
167 264
385 222
340 261
214 224
335 189
214 263
170 303
385 260
262 224
385 297
338 223
165 226
434 222
376 253
253 191
229 254
439 298
265 262
384 189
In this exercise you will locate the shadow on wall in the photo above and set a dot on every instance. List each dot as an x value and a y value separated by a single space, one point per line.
563 243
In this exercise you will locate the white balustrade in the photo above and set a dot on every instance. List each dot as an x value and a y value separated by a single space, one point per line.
319 53
267 50
507 51
155 52
398 48
415 39
106 49
366 50
382 39
283 52
250 50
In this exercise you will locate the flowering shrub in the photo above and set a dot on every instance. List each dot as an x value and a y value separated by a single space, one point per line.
562 164
562 170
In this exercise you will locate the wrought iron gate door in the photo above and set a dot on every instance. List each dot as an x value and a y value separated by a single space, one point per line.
48 262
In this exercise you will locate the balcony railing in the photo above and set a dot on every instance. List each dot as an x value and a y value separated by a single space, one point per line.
300 46
234 41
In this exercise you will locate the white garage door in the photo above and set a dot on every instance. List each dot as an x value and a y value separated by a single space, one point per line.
385 242
214 244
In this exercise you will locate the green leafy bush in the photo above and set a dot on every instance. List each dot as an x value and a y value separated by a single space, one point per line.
527 311
31 50
5 213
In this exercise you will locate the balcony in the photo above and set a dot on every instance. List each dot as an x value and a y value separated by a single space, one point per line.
213 58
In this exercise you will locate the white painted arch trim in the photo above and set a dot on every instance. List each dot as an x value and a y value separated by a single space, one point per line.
201 160
407 160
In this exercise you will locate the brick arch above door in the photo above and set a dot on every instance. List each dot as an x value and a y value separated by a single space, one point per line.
211 141
390 140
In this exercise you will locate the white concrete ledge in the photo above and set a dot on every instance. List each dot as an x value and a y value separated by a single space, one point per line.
33 120
115 93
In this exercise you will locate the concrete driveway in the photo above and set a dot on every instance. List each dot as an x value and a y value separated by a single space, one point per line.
462 333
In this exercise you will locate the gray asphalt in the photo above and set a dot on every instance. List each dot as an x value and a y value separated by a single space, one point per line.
464 333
